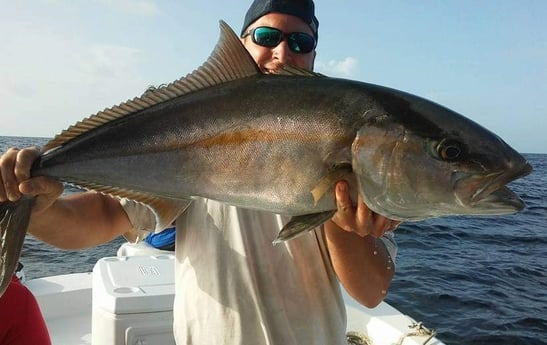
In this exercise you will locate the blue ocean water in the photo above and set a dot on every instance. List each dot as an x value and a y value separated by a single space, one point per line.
475 280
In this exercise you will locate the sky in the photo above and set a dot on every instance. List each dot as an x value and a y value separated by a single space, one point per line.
63 60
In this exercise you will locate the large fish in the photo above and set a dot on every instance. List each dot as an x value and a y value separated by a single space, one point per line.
277 143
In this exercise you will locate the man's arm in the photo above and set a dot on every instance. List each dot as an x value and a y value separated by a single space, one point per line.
81 220
359 257
73 222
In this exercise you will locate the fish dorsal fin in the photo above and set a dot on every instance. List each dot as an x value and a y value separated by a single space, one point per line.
229 61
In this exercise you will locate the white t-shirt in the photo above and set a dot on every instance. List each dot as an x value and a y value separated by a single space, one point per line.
235 287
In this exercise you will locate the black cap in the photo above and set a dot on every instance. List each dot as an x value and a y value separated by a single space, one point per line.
303 9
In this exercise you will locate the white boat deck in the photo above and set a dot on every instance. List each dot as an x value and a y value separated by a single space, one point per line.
66 302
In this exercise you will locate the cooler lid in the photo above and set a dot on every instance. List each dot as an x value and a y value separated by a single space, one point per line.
134 284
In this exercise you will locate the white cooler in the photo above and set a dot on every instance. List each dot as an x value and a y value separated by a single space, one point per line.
133 300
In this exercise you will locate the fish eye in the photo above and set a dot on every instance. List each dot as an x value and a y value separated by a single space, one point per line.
449 150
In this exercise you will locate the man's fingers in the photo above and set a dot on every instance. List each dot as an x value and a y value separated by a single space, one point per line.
343 200
381 225
44 189
10 190
42 185
15 167
360 219
345 214
371 223
364 218
394 225
23 163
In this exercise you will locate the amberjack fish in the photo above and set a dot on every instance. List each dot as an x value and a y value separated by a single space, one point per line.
277 143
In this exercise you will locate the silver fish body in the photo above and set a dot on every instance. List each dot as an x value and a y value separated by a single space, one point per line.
280 143
266 142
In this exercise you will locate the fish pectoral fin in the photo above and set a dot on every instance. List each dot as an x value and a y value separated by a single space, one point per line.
339 172
167 210
300 224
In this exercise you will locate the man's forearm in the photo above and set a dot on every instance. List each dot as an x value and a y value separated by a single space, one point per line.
362 264
80 221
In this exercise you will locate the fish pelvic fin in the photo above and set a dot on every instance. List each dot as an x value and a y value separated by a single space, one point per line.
301 224
229 61
14 219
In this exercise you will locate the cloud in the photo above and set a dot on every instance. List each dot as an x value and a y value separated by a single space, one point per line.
337 68
146 8
51 79
109 60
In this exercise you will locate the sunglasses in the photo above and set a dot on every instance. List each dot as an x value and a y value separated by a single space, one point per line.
298 42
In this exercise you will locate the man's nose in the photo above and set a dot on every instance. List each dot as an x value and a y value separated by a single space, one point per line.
282 52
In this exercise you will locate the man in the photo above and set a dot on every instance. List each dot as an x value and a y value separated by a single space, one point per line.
233 286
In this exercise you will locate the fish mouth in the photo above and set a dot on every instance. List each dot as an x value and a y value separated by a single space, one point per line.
491 193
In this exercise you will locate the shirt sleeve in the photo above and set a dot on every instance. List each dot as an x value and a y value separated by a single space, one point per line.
141 217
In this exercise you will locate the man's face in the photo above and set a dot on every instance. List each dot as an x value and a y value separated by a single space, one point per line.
270 59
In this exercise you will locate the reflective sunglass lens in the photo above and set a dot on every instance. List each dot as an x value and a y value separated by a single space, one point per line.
299 42
267 37
302 43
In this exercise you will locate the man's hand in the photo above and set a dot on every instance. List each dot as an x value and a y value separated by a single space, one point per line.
15 180
360 220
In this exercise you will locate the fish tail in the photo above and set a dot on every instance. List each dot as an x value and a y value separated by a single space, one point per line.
14 219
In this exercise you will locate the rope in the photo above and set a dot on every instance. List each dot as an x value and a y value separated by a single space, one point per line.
418 329
358 338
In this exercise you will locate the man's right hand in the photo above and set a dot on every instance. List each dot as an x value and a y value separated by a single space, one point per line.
15 180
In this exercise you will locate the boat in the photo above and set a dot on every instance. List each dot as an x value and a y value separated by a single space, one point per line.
128 299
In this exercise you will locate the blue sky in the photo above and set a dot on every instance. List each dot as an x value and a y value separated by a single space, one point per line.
62 60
